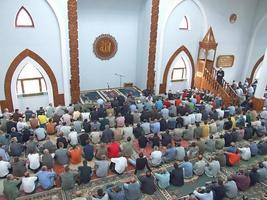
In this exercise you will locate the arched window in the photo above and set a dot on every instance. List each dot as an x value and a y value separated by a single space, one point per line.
30 81
23 18
179 72
185 23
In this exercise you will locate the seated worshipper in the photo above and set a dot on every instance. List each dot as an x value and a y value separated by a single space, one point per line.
260 130
107 135
128 132
140 163
232 158
29 183
85 172
197 131
262 147
187 168
155 140
51 127
146 127
179 121
132 189
127 148
228 124
219 155
201 145
262 172
164 113
232 148
73 137
171 122
155 126
83 137
61 138
219 142
18 167
166 139
95 136
113 149
186 119
46 178
88 151
204 193
248 134
188 133
170 154
155 157
177 176
75 154
15 148
242 180
228 138
100 195
148 183
180 152
163 178
11 187
40 133
137 131
213 127
253 148
218 190
102 167
231 190
47 159
5 168
101 150
34 161
245 152
210 144
254 176
142 141
213 168
193 150
205 129
61 155
116 193
120 120
199 166
118 165
67 179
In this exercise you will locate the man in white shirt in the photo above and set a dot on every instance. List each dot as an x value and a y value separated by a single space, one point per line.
66 118
29 183
128 132
118 165
95 136
4 168
245 153
21 125
156 157
187 119
193 118
73 137
198 117
34 161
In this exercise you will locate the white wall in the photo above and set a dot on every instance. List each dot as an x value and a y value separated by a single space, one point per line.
118 18
171 38
143 44
43 39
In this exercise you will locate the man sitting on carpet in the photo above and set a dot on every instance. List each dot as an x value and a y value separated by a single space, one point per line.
187 167
118 165
140 163
148 183
163 178
132 189
213 167
199 166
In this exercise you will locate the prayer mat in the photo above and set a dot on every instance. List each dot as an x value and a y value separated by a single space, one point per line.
90 96
45 195
132 90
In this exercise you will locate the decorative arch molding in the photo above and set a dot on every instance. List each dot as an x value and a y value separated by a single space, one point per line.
23 9
163 85
8 103
250 79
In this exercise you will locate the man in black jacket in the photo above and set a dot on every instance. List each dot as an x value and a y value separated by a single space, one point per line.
148 183
177 177
140 163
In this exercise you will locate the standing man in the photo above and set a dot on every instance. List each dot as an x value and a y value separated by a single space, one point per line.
220 75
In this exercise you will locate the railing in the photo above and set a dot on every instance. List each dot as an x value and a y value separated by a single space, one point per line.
225 90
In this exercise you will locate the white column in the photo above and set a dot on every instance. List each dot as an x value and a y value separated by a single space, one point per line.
262 80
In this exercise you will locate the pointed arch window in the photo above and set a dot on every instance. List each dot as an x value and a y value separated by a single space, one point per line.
23 18
30 81
185 23
179 72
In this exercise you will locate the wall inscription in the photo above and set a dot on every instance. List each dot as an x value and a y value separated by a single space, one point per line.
105 47
225 61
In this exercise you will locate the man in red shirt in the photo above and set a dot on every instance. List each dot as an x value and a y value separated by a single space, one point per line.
75 154
113 149
232 158
167 103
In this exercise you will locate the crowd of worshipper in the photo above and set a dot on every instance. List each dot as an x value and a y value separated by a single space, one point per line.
191 130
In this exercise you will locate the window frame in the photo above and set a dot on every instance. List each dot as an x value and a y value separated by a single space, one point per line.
23 26
184 72
187 24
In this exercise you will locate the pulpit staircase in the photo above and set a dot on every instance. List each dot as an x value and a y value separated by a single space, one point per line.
225 90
